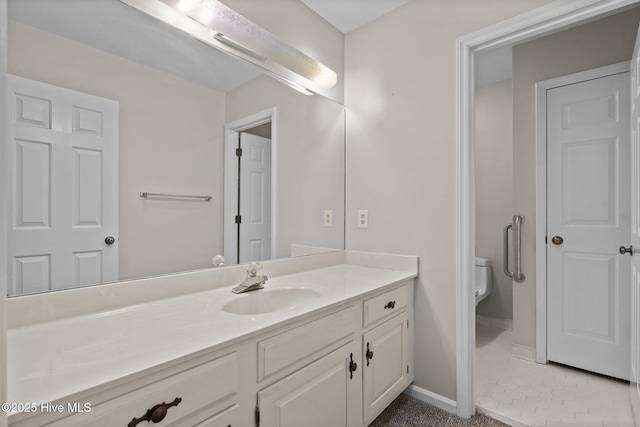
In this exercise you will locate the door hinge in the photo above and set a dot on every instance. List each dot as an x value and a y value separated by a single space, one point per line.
238 219
257 416
239 152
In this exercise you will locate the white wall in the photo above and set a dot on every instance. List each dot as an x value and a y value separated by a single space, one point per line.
603 42
400 98
494 188
309 159
171 141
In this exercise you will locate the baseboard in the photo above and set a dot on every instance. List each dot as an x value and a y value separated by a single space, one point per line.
431 398
523 352
500 417
506 324
635 401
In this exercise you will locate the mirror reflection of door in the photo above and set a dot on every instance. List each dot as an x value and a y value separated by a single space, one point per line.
253 218
64 211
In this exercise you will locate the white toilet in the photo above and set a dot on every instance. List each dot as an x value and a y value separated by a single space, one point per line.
484 279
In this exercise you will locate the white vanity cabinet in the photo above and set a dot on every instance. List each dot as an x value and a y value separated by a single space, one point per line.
315 366
319 395
349 386
385 371
386 348
202 391
337 365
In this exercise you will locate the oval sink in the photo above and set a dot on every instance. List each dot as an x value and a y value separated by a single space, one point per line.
270 300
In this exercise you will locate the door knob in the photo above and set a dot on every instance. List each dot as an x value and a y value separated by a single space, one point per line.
628 250
109 240
557 240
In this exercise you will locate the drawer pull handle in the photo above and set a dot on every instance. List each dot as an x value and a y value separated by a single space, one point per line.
352 366
155 414
368 354
390 304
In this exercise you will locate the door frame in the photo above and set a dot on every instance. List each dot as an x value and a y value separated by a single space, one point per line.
542 21
231 131
541 189
4 213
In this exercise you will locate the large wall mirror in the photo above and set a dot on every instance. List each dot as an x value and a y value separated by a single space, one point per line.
117 133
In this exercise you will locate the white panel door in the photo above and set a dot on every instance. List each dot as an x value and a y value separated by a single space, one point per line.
634 241
255 198
64 148
588 218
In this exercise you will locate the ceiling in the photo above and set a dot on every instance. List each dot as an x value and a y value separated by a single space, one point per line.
348 15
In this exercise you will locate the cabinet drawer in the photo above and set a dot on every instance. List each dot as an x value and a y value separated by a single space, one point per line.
385 305
200 387
305 343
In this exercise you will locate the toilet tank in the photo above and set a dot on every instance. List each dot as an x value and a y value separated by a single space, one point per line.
483 278
483 262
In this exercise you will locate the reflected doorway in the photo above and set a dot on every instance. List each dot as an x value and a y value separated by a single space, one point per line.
249 189
253 214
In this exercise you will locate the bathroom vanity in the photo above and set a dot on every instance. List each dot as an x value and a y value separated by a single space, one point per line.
327 342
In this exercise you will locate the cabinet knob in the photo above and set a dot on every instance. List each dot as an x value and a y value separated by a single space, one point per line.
159 414
156 413
390 304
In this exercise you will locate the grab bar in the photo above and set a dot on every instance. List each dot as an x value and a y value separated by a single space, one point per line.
516 225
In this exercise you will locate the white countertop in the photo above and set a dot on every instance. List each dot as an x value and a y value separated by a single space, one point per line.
51 360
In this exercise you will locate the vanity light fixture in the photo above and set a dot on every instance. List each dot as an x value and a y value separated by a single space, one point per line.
222 27
292 85
221 38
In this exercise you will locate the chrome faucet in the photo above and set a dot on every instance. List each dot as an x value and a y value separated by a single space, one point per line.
253 282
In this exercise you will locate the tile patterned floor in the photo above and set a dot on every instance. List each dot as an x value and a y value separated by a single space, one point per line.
523 393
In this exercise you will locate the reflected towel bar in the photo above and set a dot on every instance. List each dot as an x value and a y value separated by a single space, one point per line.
174 196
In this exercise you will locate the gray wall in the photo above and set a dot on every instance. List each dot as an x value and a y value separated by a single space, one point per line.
603 42
494 188
400 98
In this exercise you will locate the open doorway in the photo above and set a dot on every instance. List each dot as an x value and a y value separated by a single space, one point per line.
585 47
249 218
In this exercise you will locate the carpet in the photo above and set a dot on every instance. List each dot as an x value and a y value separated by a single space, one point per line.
407 411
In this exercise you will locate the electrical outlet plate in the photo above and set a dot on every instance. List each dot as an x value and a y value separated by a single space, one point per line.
363 219
328 218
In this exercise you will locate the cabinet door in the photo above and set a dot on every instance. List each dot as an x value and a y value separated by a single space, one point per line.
322 394
385 368
226 418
